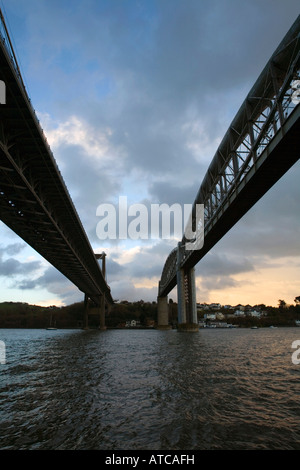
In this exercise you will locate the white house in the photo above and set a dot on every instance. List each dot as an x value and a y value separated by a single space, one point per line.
239 313
215 306
209 316
132 323
255 313
220 316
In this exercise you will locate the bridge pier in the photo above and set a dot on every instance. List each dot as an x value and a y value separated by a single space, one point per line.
186 297
102 313
187 307
102 300
86 313
163 313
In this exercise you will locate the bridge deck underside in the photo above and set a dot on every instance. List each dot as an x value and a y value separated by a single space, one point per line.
259 147
34 200
279 160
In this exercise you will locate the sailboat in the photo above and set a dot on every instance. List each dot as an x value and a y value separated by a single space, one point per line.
51 327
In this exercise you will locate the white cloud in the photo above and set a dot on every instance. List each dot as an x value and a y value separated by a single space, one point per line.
76 132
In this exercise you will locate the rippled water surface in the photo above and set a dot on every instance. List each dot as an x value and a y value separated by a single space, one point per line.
149 389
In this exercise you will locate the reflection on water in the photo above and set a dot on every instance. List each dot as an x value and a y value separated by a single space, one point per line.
148 389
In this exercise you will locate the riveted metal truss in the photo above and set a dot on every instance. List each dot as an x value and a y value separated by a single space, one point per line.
261 144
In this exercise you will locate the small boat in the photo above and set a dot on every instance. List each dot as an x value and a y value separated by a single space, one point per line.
51 327
254 327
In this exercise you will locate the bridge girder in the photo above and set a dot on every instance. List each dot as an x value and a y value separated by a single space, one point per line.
260 145
34 200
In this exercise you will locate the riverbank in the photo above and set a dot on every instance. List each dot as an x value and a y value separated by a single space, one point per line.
133 315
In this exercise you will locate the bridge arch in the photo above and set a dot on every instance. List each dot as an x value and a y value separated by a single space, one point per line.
259 147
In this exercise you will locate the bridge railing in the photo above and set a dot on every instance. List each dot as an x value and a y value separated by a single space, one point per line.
257 123
169 270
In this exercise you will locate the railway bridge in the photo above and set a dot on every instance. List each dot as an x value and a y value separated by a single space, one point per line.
259 147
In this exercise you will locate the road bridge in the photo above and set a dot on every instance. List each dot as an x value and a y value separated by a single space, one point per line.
34 200
259 147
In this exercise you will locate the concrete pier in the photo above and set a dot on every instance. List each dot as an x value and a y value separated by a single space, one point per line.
186 295
163 313
102 313
86 313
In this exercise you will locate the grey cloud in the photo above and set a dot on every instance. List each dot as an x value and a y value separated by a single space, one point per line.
216 264
147 263
169 193
201 47
13 267
190 57
125 290
14 248
113 268
49 277
272 227
144 269
218 283
88 184
10 267
26 284
54 282
161 66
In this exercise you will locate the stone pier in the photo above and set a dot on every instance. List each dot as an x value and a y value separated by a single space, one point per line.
186 295
163 313
102 313
186 298
86 313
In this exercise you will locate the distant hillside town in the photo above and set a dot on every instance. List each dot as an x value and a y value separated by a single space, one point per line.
217 315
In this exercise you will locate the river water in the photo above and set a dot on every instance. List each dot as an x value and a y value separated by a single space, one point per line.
149 390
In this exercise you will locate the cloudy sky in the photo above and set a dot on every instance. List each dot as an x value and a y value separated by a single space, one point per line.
134 97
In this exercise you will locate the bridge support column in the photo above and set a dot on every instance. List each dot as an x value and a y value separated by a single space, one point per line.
186 297
102 313
102 300
163 313
86 313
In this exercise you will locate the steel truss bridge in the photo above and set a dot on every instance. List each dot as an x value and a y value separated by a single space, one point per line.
261 144
34 200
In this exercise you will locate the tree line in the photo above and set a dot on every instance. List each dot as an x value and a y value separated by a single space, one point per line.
24 315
